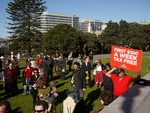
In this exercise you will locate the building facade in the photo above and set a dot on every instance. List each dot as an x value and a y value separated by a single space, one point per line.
90 25
49 20
144 22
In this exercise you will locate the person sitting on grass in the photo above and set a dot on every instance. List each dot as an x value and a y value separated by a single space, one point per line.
106 98
53 95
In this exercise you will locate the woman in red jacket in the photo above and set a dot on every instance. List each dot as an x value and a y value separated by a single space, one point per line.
28 71
10 79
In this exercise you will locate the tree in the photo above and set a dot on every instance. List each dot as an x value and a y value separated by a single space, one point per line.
110 36
24 24
131 35
62 38
91 43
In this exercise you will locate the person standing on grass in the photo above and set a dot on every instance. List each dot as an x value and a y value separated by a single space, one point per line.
50 62
34 86
121 80
10 79
70 60
38 62
91 58
28 71
86 66
33 63
56 61
98 74
79 83
16 64
62 66
44 65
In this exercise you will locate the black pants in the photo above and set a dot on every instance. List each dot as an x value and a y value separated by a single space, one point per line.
62 75
50 74
70 64
35 97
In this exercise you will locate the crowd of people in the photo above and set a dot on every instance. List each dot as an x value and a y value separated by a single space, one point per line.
38 75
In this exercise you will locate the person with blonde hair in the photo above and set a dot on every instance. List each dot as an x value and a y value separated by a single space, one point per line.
53 94
98 74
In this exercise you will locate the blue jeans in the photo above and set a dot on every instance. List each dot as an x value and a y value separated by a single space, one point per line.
27 80
79 92
52 98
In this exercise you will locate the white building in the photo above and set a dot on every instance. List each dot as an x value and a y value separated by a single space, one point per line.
144 22
50 19
91 26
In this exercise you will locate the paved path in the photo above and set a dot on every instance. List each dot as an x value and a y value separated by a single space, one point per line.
101 56
108 56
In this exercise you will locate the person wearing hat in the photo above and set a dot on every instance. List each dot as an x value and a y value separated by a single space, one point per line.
121 80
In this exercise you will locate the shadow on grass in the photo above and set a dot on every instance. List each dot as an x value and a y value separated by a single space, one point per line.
69 76
56 77
61 84
17 110
12 94
61 97
91 97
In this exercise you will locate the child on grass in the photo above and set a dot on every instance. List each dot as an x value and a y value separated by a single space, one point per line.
53 94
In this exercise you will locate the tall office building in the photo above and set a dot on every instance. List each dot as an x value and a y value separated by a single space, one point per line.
49 20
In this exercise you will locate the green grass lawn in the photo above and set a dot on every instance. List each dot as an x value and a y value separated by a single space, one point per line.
23 104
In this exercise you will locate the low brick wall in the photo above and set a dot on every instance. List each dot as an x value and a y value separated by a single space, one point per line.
135 100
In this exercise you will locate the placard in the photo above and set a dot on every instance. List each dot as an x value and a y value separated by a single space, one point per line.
126 58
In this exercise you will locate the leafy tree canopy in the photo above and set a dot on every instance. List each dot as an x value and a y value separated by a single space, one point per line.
126 34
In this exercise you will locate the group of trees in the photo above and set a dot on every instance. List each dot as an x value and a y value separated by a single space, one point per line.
63 38
125 34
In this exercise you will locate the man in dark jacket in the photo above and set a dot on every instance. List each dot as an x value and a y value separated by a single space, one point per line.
79 80
86 66
50 62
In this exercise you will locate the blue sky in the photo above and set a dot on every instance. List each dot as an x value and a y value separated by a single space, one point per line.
104 10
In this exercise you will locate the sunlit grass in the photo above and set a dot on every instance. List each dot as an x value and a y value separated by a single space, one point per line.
23 104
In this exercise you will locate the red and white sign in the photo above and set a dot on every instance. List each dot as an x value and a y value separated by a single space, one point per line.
126 58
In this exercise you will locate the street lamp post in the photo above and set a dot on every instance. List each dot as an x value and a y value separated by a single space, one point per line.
102 48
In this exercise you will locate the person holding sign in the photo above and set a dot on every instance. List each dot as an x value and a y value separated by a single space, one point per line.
121 80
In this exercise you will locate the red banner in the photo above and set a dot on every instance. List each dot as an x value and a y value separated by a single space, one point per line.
126 58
